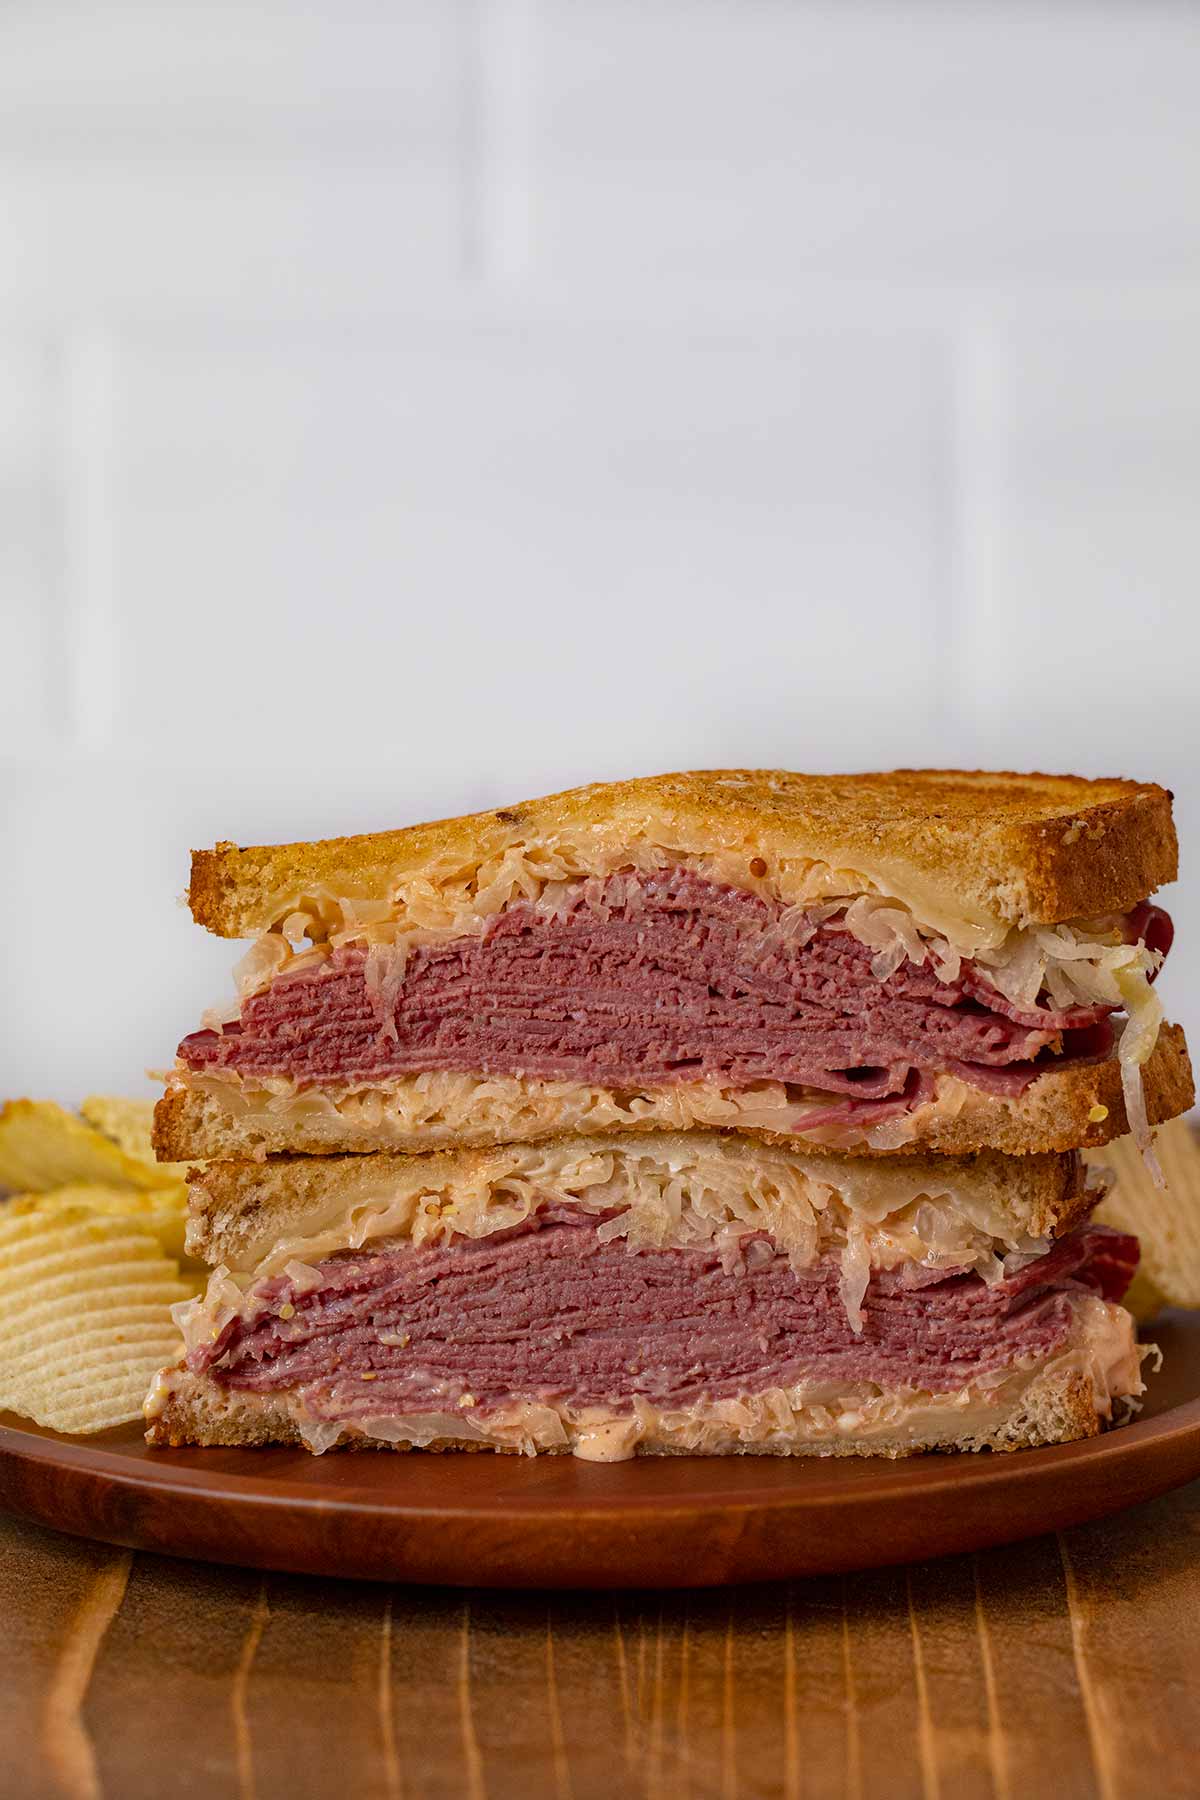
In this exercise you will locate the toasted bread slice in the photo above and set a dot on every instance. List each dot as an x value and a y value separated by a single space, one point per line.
1053 1406
1061 1110
991 850
239 1210
380 1269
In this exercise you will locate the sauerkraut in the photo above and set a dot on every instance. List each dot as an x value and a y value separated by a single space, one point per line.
1080 963
447 900
1075 964
450 1107
657 1194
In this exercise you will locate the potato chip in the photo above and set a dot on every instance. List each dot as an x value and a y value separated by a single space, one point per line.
35 1241
85 1306
98 1406
90 1356
91 1331
160 1210
44 1146
47 1321
1166 1221
128 1123
106 1164
58 1281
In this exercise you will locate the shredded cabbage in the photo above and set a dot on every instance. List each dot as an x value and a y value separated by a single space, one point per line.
856 1274
448 1107
1080 963
653 1194
1086 963
1136 1044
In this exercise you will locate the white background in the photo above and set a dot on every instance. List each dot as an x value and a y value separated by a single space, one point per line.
413 407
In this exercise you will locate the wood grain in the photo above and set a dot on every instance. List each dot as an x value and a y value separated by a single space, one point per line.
1065 1666
67 1744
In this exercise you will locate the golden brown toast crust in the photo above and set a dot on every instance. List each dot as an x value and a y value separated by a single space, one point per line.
1055 1113
1017 848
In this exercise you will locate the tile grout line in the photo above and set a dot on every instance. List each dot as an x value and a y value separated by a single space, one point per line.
854 1785
683 1776
654 1758
729 1769
791 1749
558 1740
475 1786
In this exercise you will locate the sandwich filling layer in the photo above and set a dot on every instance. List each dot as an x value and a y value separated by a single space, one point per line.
219 1113
536 1335
656 1192
657 980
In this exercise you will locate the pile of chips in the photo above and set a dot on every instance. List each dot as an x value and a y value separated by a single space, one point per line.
1165 1221
91 1262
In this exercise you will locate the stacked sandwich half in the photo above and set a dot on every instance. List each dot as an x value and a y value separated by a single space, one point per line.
735 1111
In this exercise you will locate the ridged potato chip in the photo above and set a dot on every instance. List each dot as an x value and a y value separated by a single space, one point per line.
162 1211
129 1124
1166 1221
85 1309
102 1405
43 1146
36 1230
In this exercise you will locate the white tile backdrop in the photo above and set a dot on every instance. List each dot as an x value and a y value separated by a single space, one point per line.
406 407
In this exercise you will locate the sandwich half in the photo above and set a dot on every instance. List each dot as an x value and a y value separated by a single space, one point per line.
923 959
697 1293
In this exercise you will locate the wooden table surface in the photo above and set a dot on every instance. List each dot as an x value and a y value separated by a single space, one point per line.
1064 1666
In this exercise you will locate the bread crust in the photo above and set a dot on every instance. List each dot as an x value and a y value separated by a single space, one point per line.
232 1204
1056 1408
1010 847
1055 1113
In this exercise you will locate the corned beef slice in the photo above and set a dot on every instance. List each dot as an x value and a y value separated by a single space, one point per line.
551 1311
650 981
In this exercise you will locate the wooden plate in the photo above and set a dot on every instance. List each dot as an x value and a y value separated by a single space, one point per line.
505 1521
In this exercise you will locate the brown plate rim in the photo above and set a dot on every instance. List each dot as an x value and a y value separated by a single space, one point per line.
502 1521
